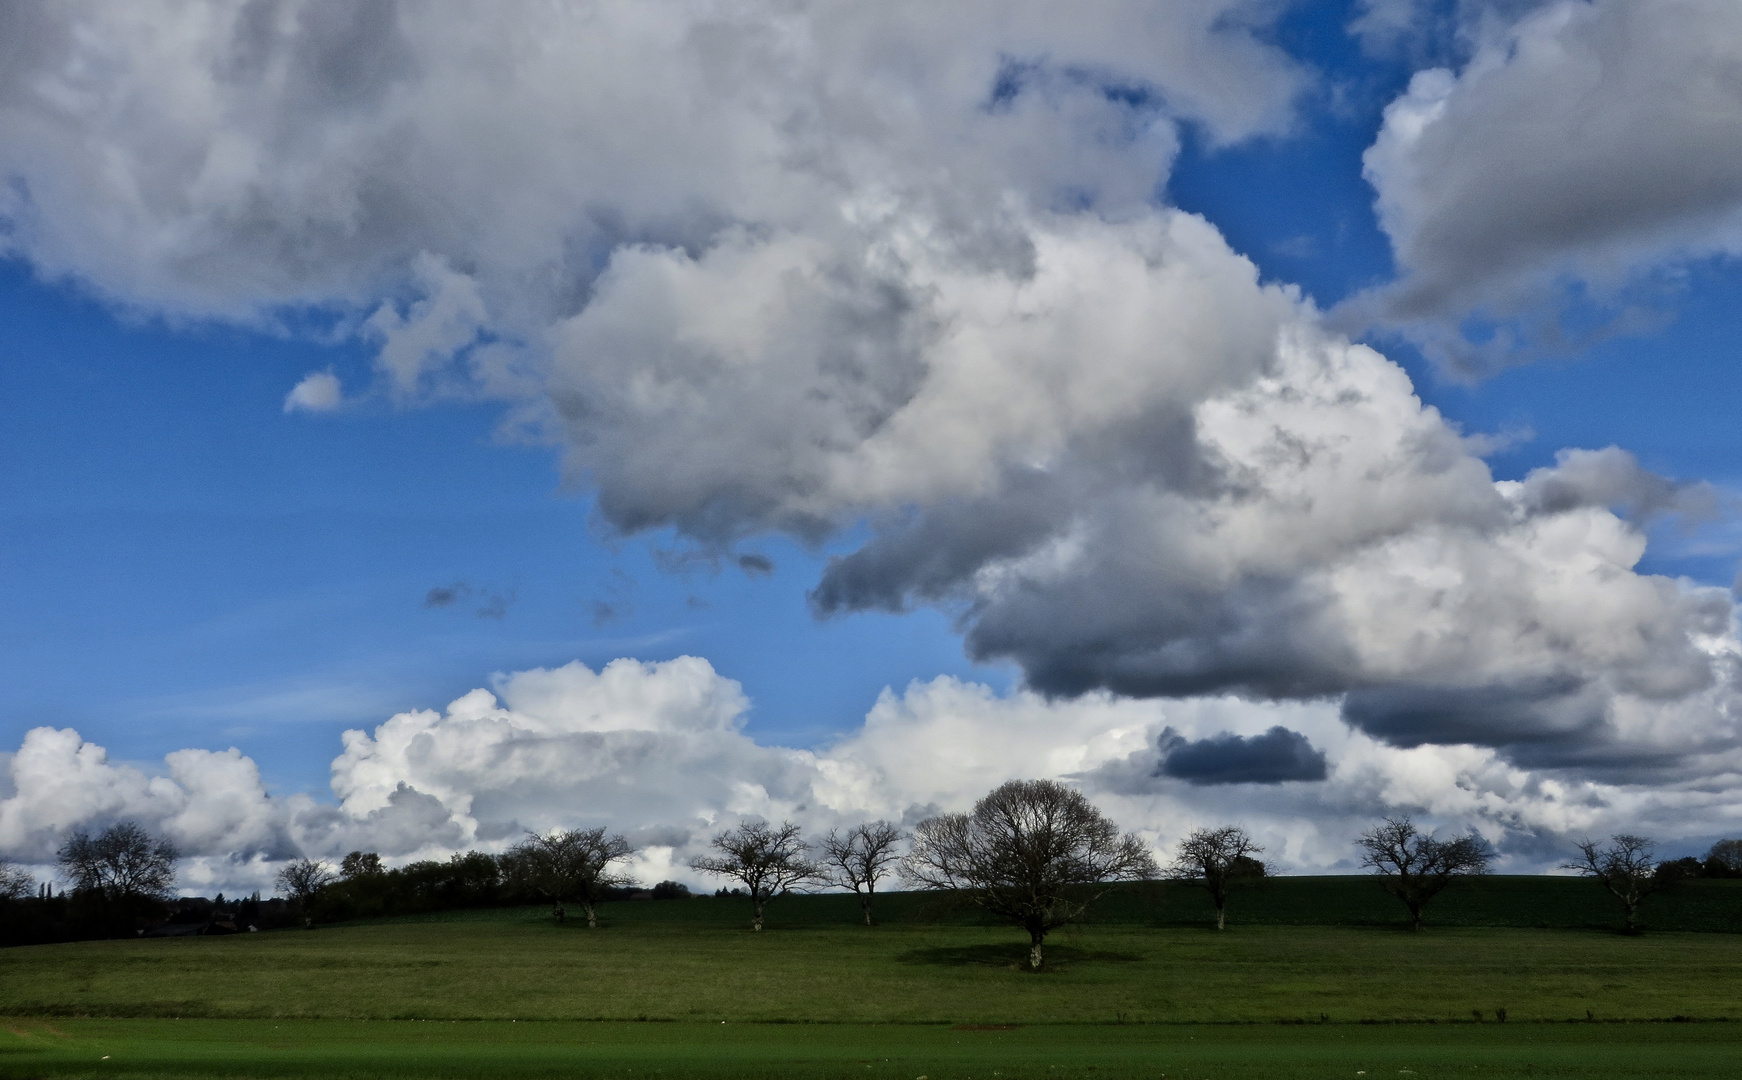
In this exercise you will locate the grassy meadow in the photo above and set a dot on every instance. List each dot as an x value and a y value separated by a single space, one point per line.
683 988
339 1049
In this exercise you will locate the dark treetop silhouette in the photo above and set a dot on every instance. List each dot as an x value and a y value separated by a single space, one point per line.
1415 867
1032 851
1216 859
1625 866
123 862
768 860
573 864
862 856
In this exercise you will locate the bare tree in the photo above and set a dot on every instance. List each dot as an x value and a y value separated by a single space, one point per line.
303 881
574 863
1414 867
15 882
1216 859
1727 854
1625 867
1032 851
768 860
123 862
862 856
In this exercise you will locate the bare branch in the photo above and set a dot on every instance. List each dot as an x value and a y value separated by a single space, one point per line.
573 864
861 857
1215 859
121 862
1415 867
768 860
15 882
303 881
1625 866
1032 851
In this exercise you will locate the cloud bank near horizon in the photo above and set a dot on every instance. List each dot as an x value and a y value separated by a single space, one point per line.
658 752
756 268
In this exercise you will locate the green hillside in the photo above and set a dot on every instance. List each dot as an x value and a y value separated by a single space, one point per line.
1316 977
694 959
1699 905
503 1050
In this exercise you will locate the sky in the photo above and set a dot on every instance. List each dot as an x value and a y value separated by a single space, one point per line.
425 424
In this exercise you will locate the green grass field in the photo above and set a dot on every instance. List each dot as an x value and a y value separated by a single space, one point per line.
682 988
165 1049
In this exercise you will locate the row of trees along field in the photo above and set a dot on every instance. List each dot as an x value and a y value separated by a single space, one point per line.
1034 853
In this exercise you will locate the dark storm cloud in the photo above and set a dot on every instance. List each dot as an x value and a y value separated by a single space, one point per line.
1275 757
1566 710
1157 635
931 555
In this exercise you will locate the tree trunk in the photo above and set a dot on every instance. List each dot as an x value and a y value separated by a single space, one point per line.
1221 917
865 903
1415 917
756 916
1034 950
592 916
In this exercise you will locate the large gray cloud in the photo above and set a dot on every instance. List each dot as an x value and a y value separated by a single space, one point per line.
1578 148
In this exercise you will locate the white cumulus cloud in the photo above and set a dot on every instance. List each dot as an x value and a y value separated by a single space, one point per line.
318 391
1584 144
658 752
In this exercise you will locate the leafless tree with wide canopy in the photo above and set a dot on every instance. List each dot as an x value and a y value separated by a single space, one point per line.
1032 851
861 857
302 880
1216 859
574 864
1415 867
15 882
123 862
768 860
1626 867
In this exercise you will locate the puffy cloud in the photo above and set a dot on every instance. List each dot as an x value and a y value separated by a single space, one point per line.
1277 756
1316 530
1581 145
208 803
318 391
658 751
214 158
764 268
633 744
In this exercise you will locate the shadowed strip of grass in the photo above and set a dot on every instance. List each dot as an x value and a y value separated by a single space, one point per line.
169 1050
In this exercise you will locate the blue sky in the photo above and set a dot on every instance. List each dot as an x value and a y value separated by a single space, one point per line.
191 563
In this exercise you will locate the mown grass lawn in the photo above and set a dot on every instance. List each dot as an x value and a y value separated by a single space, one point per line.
171 1049
519 965
682 988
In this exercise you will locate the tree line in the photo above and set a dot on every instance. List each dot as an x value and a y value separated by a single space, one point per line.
1034 853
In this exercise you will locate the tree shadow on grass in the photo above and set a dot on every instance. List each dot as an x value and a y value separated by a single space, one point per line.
1013 955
